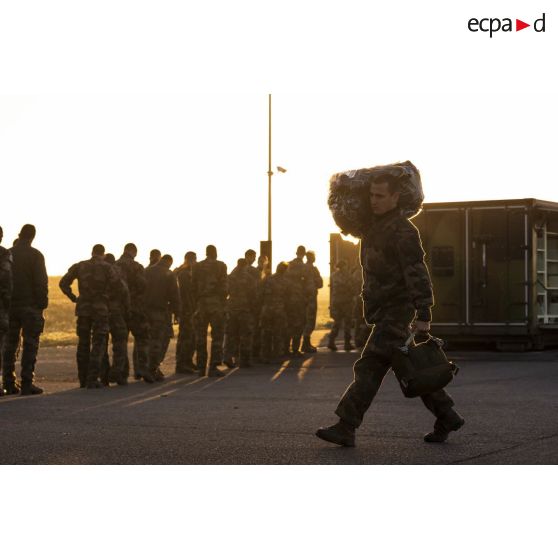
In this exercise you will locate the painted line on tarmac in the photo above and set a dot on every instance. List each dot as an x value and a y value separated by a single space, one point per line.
142 401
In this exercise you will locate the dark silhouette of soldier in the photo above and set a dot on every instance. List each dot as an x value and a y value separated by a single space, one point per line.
162 300
397 295
209 280
185 344
5 296
96 278
29 300
240 315
257 273
315 282
154 257
134 275
297 273
276 291
341 305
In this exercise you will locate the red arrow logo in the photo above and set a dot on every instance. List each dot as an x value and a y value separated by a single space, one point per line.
519 25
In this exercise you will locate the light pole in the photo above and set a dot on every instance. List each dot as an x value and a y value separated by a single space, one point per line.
266 246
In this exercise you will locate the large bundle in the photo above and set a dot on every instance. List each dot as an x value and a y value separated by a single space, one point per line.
349 195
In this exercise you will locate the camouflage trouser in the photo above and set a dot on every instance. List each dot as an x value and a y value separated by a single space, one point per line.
390 331
185 344
274 325
209 313
256 333
139 327
4 325
311 312
159 326
342 319
296 317
362 329
28 322
119 338
92 334
238 336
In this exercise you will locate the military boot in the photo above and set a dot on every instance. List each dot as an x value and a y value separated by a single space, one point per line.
348 345
2 392
12 388
214 372
93 384
30 389
147 377
159 376
342 434
307 347
331 344
450 422
295 352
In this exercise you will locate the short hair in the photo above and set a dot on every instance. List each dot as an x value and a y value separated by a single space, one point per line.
301 250
167 258
155 253
130 246
190 256
241 262
249 253
109 258
98 250
211 251
28 232
311 253
392 182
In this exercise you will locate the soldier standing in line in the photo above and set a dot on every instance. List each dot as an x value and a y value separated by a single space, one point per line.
162 300
276 290
5 295
240 315
186 342
297 274
154 257
397 295
134 275
250 257
119 309
29 300
209 279
315 282
96 278
341 305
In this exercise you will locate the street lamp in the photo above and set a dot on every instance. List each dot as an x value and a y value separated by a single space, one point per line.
266 246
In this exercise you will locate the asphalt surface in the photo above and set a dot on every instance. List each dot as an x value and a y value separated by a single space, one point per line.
268 415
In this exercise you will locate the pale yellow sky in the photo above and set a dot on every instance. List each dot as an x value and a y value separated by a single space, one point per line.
151 126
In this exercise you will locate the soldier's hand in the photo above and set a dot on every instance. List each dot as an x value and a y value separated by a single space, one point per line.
73 298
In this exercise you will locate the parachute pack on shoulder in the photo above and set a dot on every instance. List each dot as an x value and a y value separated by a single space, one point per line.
349 195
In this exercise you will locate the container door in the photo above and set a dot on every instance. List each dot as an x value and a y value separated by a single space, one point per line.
497 265
443 239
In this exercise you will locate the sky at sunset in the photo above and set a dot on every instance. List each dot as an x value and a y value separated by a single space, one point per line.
151 125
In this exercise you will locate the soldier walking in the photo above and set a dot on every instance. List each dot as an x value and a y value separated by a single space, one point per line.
162 301
397 295
185 345
5 296
276 290
95 279
209 280
29 300
134 275
341 305
240 315
315 282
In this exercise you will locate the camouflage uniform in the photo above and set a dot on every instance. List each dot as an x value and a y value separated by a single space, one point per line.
362 329
185 344
119 308
342 304
5 297
240 315
315 282
396 288
161 301
297 273
259 274
276 292
134 276
96 279
209 280
29 300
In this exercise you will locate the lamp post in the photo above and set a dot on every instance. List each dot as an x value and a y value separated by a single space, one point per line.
266 246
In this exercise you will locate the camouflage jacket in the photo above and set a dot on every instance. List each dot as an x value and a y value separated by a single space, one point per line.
161 294
257 274
343 289
119 295
276 292
242 290
209 281
301 282
29 276
96 279
185 287
394 271
134 276
5 279
314 278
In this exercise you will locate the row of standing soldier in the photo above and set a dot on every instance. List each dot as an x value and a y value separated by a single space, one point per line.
251 312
